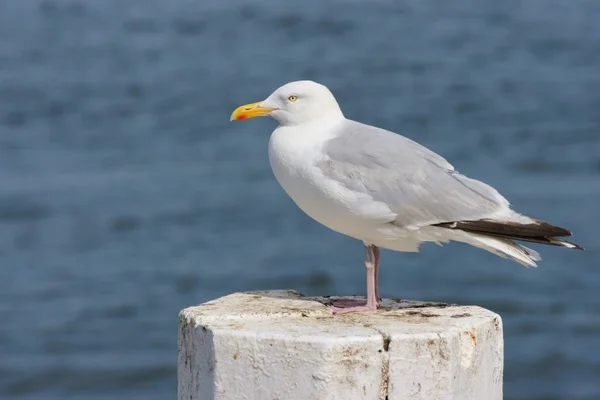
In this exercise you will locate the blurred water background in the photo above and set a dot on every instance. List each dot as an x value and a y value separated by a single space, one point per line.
126 194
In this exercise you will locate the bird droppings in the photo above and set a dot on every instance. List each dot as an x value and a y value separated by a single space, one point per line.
353 359
444 351
386 342
421 314
350 352
436 305
384 386
473 337
460 315
497 323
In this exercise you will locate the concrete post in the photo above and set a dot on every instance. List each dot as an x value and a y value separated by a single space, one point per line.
282 345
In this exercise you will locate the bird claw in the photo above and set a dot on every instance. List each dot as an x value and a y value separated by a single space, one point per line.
344 306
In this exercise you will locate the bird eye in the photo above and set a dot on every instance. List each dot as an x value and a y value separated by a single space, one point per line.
292 98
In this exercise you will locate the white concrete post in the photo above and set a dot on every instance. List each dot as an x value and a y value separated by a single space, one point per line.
282 345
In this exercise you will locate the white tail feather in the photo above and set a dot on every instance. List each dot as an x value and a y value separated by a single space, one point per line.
502 247
563 243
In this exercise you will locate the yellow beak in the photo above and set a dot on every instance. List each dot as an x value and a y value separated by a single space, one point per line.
250 111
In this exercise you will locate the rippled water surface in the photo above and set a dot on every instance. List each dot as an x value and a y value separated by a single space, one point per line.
126 195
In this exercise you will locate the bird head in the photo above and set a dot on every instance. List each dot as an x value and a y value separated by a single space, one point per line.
294 103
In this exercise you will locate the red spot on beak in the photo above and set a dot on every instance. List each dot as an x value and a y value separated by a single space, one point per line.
242 117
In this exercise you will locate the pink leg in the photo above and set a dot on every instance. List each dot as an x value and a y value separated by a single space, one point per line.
371 264
376 252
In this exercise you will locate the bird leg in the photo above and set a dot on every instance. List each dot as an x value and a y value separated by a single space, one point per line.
372 267
376 255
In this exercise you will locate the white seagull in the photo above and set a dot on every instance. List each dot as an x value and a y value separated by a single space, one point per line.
383 188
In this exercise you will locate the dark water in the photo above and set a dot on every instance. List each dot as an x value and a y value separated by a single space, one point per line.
126 195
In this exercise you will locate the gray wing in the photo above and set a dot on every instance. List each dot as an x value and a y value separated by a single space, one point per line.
419 186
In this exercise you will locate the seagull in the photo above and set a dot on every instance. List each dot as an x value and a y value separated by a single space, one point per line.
384 189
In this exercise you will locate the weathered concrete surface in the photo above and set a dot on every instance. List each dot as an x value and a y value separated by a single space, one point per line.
282 345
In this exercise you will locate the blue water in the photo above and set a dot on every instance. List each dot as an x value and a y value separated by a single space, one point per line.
126 194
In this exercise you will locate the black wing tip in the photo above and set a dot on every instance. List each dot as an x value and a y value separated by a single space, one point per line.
555 230
537 232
